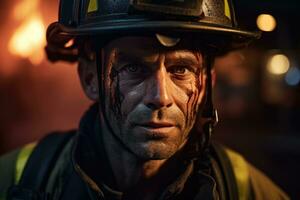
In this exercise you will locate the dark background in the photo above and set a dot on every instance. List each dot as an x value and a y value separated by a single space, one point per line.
259 112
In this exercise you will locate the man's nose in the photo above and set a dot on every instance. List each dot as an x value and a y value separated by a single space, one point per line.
158 92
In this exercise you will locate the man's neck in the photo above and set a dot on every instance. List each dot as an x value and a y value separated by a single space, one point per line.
127 168
133 174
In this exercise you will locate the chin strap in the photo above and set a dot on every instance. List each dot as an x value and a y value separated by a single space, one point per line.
209 114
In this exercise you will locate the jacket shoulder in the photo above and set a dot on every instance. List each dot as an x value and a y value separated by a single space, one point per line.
12 165
251 183
263 187
7 170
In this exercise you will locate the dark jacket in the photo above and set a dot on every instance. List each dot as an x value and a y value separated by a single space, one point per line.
80 170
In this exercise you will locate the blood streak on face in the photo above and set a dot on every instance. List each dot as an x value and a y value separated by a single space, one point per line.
152 94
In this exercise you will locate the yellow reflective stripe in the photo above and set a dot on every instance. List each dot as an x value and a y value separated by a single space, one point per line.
22 160
241 172
93 6
227 9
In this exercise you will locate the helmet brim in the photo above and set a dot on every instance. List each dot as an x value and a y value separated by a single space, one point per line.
235 38
154 26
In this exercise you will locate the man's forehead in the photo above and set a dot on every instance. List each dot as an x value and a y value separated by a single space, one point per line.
148 47
132 42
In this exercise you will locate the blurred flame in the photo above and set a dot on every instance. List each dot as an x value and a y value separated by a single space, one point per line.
25 8
28 40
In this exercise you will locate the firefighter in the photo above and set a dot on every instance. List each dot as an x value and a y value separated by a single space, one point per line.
148 66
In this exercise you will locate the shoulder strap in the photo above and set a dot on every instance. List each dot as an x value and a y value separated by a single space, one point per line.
33 180
235 172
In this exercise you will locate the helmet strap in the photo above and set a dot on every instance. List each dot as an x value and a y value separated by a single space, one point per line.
209 114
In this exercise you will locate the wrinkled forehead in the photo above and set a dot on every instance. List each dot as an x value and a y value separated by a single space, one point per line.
143 47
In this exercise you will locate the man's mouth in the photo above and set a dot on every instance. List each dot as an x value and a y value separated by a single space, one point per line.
156 125
156 129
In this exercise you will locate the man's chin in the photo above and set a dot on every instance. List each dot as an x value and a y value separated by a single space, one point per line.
155 150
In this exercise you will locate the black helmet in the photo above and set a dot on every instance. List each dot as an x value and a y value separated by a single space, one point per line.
117 17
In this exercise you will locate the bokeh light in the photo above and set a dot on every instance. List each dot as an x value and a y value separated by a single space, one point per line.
266 22
278 64
292 77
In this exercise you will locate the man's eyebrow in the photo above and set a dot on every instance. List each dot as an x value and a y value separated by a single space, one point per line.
125 57
189 58
185 61
122 58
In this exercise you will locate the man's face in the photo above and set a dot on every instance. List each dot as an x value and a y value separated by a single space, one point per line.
152 94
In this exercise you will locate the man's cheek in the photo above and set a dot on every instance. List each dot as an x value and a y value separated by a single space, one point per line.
133 95
182 95
187 101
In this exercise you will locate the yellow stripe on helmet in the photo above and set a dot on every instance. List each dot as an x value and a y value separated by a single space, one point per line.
227 9
93 6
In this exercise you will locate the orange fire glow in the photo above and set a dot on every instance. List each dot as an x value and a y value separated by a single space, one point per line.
25 8
28 40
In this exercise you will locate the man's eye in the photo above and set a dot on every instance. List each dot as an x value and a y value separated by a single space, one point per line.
180 70
132 68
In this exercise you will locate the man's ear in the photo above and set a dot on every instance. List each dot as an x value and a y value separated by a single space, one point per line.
87 70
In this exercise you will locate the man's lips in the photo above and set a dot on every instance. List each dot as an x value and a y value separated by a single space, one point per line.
156 130
156 125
